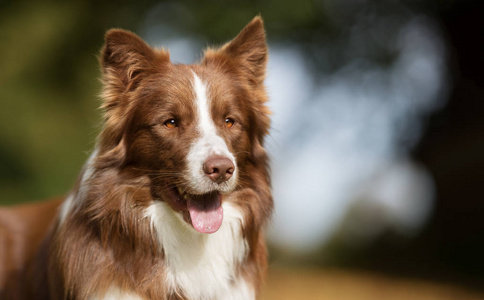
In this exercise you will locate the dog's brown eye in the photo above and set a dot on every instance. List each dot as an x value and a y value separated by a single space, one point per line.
171 123
229 122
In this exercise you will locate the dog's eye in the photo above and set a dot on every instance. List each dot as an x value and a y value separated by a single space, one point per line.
229 122
171 123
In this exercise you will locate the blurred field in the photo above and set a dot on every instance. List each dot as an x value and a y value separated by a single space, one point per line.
341 285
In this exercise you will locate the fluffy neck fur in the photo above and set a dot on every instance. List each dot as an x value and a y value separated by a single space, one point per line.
146 250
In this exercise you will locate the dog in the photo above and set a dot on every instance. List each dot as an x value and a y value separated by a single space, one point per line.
173 201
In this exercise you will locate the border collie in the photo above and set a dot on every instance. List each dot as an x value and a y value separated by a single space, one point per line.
173 200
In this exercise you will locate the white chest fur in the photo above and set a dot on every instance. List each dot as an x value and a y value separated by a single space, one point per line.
202 266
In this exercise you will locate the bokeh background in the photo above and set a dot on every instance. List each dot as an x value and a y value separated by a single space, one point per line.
377 142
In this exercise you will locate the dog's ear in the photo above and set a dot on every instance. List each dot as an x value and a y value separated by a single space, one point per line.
246 56
246 52
125 60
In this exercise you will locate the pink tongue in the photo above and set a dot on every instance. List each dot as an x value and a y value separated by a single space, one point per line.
206 212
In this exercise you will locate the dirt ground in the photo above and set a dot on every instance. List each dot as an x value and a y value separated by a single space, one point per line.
342 285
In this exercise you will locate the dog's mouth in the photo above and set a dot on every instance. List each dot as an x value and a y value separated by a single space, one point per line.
204 212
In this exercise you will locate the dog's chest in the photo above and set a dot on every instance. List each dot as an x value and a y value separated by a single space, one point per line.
202 266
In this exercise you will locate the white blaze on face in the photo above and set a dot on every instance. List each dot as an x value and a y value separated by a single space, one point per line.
207 144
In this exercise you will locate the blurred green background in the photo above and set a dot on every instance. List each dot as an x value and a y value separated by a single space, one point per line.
49 116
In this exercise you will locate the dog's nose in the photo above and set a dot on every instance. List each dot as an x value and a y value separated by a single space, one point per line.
218 168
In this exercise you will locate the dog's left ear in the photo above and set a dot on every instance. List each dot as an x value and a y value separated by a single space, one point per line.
248 50
246 56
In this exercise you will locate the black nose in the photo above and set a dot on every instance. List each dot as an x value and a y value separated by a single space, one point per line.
218 168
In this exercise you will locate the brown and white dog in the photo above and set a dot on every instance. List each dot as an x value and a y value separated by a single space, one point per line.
173 200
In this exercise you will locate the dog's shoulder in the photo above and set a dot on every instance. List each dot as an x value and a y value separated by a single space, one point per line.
22 230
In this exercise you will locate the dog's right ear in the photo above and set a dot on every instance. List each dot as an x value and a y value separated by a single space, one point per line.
125 60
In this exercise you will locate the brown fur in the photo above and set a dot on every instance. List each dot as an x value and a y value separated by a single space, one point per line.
105 240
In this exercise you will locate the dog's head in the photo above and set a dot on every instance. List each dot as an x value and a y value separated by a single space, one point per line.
196 131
